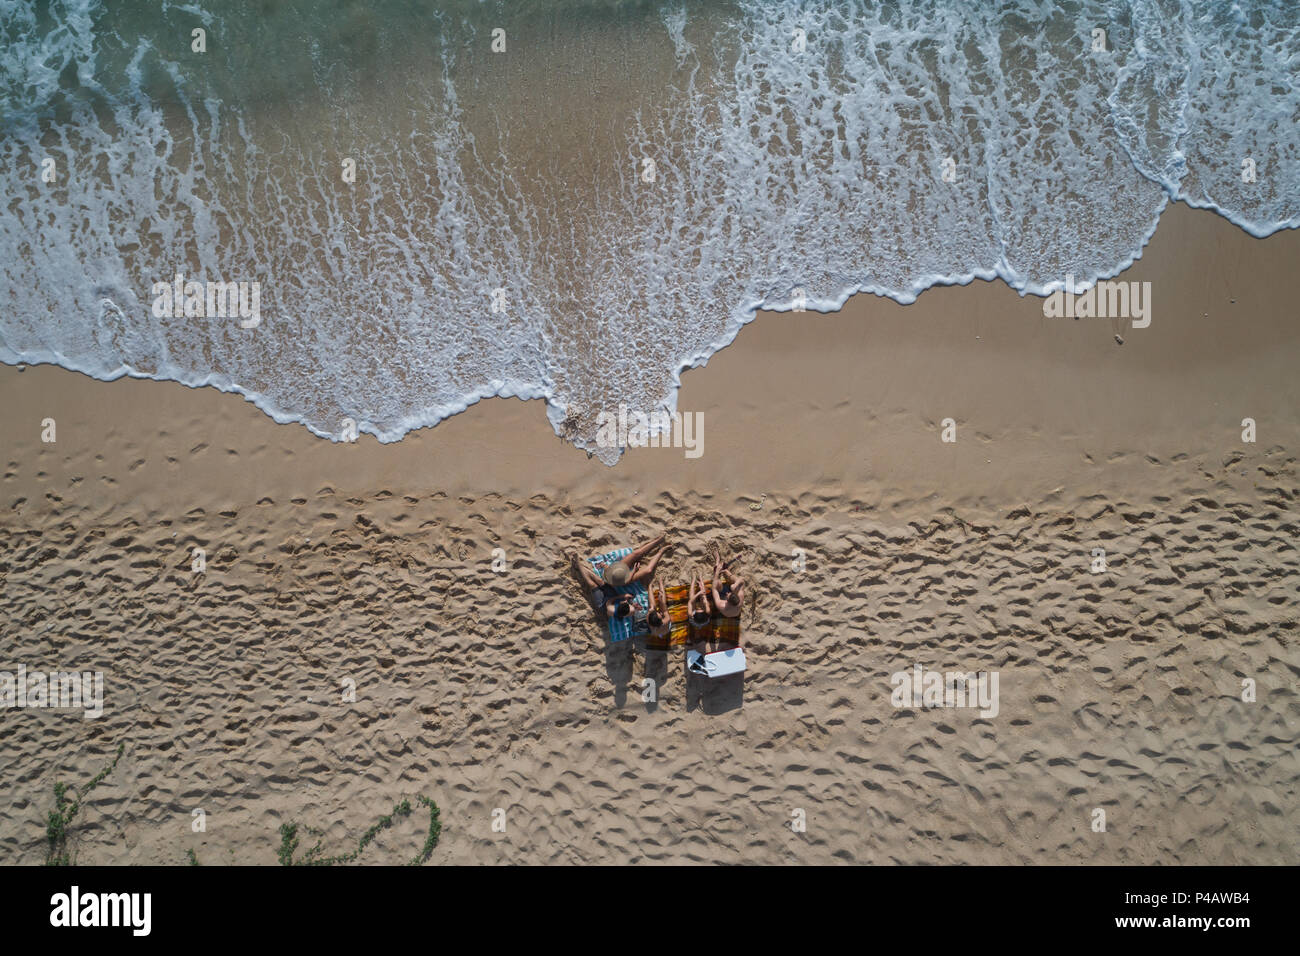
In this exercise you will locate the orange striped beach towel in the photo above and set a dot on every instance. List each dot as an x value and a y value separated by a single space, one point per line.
721 629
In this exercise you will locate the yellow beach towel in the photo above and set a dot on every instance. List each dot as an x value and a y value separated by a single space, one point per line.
725 630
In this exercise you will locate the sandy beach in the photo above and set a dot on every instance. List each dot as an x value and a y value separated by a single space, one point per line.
496 691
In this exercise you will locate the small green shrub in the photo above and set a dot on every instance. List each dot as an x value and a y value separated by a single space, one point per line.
313 857
59 821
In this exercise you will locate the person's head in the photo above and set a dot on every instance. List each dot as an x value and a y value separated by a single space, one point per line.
700 617
724 589
655 618
617 574
624 608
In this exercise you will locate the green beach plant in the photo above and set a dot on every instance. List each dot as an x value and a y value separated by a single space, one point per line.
289 840
59 821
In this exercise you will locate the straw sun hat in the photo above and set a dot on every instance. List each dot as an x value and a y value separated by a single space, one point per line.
617 574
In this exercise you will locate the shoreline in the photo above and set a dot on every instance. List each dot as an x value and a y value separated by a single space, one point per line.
1037 402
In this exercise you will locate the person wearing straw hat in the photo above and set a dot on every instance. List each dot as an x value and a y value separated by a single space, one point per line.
628 570
634 566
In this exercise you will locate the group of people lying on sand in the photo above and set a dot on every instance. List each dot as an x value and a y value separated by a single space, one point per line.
727 593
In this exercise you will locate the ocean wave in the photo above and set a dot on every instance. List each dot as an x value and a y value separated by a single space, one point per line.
605 203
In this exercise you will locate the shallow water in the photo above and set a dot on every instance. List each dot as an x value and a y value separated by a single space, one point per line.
885 148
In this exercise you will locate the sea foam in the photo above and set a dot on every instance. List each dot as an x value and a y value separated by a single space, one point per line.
802 153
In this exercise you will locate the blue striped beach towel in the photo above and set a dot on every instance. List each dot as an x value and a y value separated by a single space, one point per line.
620 629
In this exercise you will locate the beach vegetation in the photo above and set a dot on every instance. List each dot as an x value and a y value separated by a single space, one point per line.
289 839
67 804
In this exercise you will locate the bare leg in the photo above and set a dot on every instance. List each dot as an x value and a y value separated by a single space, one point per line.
697 643
720 566
586 573
699 593
640 551
646 571
659 601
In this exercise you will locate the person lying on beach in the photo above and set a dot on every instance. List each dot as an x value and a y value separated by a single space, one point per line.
697 606
728 588
658 620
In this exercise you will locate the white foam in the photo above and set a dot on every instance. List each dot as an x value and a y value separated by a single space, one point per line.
778 172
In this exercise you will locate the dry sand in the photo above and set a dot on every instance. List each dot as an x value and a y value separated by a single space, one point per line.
484 690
